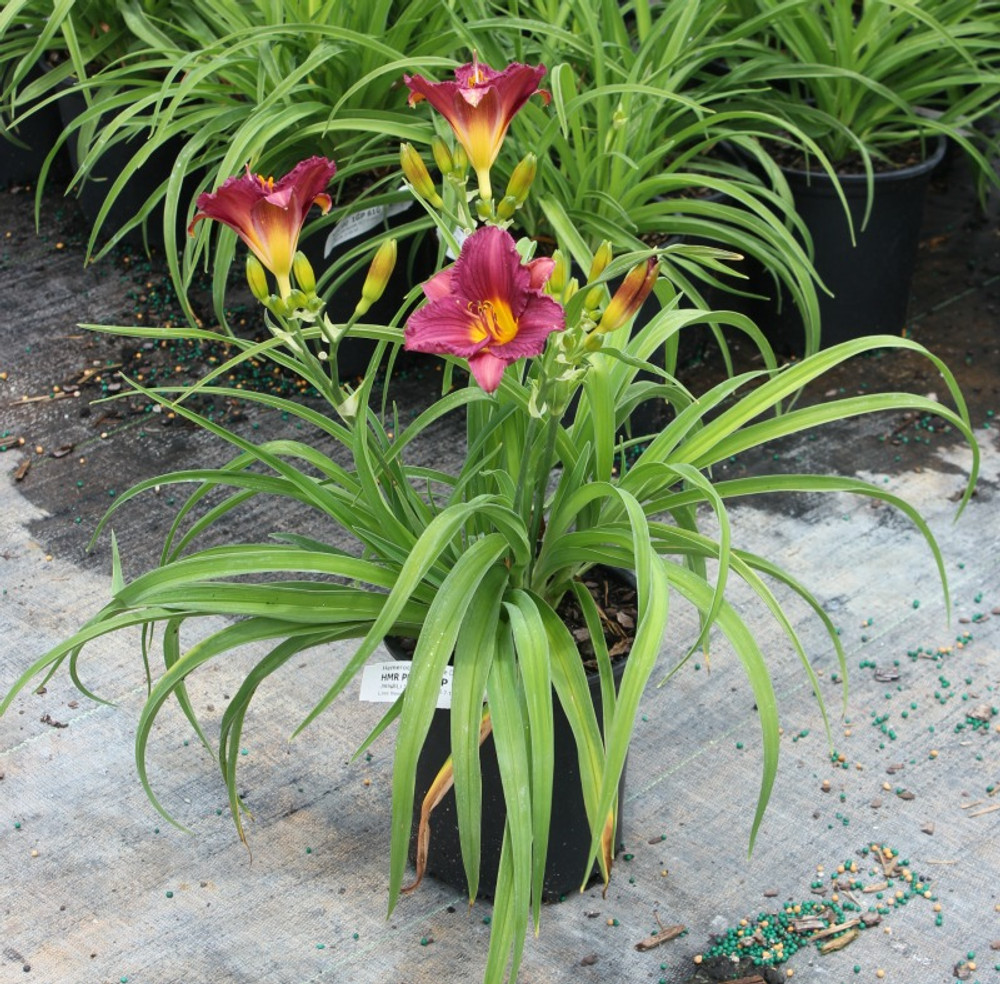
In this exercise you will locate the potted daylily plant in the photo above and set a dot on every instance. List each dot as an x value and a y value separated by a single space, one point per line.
473 566
882 87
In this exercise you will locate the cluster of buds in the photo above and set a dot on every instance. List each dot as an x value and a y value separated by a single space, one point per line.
300 300
453 165
623 305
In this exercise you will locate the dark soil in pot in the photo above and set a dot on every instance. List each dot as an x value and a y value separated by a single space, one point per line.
569 837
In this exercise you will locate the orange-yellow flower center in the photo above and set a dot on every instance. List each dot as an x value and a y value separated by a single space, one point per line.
478 76
494 321
266 183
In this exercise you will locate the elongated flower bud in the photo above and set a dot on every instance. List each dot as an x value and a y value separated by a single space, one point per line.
378 276
461 162
417 174
522 178
442 156
304 276
257 278
560 274
601 259
506 207
594 298
629 297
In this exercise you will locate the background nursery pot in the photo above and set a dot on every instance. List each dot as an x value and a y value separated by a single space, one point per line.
112 209
35 135
870 278
570 834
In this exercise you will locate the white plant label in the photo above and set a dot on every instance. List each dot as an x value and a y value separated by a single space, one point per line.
358 223
460 236
382 683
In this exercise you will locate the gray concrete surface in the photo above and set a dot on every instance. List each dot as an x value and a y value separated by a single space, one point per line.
96 887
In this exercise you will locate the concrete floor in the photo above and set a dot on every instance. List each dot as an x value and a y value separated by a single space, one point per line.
96 887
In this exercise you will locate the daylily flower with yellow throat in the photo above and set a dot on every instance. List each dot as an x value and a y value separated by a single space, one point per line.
479 105
488 307
268 215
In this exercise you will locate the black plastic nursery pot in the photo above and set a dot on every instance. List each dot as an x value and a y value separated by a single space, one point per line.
569 834
37 133
115 160
869 281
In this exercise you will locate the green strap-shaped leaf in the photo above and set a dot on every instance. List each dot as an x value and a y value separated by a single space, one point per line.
435 645
474 650
570 682
528 632
426 552
504 694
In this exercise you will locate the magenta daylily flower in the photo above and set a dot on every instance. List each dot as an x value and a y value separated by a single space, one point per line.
479 105
268 215
488 308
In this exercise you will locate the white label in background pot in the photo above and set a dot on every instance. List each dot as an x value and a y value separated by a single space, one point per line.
358 223
382 683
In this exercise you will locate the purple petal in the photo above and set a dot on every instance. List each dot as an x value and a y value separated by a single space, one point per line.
489 267
440 285
487 369
444 327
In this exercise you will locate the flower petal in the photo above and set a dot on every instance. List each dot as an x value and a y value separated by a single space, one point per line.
308 181
489 267
487 369
230 204
541 316
440 285
444 327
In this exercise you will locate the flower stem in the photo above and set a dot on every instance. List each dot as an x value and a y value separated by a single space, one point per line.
541 484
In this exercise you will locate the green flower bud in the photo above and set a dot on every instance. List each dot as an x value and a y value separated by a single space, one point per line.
559 275
303 271
296 299
522 178
257 278
594 298
506 207
460 161
601 259
442 156
379 273
417 174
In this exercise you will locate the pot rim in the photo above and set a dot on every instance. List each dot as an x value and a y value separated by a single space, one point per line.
880 177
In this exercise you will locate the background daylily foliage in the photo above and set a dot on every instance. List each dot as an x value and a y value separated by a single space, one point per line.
557 478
